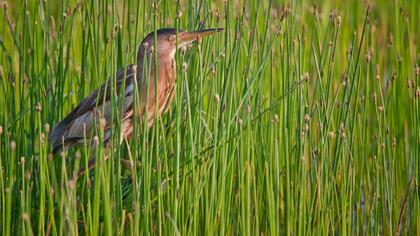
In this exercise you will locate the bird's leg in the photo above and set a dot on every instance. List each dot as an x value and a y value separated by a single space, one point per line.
92 161
91 165
128 163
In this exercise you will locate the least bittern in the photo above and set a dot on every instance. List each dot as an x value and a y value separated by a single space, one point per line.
84 119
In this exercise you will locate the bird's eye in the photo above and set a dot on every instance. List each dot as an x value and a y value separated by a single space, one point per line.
171 38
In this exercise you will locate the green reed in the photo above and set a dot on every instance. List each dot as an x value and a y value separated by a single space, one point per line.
299 118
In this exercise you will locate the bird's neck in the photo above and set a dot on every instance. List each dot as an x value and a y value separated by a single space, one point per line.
166 67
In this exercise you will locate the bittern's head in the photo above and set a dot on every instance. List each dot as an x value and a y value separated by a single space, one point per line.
167 41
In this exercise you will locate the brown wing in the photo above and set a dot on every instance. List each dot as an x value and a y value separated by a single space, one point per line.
72 129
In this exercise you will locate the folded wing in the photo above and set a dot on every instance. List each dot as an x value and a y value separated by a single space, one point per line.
84 118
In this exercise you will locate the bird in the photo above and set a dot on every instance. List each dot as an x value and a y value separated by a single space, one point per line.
95 110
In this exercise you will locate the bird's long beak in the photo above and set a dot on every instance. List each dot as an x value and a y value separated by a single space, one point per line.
188 37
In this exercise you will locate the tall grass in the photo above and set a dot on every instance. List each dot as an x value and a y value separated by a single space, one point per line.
302 117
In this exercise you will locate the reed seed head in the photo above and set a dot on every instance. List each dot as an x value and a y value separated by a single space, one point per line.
314 152
78 156
248 109
102 123
213 69
222 54
342 131
13 145
38 107
314 10
95 140
333 14
184 66
409 84
155 6
25 217
390 40
4 4
217 98
394 76
306 77
306 128
374 98
307 118
70 185
368 57
28 175
63 154
276 119
338 21
47 128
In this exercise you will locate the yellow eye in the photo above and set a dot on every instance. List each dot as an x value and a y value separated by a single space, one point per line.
171 38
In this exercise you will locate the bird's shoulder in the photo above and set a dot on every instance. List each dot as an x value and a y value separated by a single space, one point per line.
107 89
81 118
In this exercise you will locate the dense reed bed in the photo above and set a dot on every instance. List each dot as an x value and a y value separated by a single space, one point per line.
302 117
